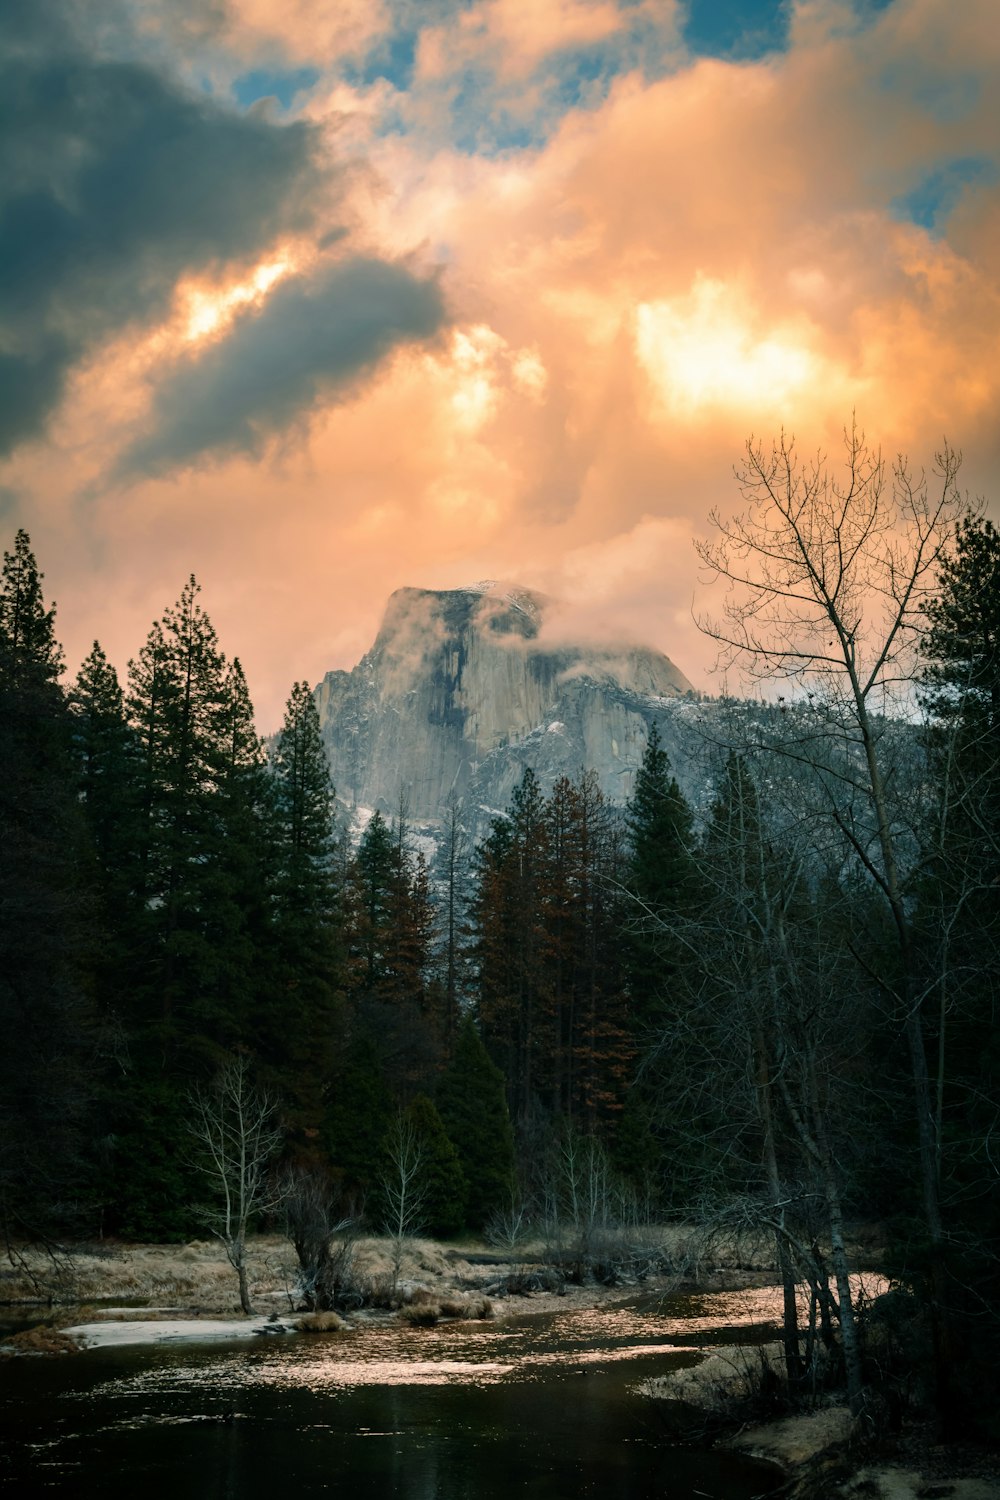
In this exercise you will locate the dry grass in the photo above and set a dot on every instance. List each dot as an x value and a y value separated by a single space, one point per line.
38 1341
424 1307
723 1378
193 1275
423 1314
321 1322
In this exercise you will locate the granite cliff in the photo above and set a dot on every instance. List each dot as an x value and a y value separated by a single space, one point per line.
463 688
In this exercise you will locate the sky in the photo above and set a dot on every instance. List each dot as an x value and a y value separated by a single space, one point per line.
321 298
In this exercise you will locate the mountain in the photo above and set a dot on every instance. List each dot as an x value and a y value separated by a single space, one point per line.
463 688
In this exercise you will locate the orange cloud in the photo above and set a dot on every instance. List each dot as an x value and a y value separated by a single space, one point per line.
714 251
520 33
305 31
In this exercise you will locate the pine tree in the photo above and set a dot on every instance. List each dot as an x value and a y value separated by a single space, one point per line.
961 691
102 746
359 1113
46 1020
370 911
442 1183
582 889
390 926
472 1103
510 944
958 926
453 869
31 659
191 961
299 1008
662 882
236 893
960 914
176 706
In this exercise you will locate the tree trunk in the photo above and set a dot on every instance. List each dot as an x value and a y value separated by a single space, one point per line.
790 1317
241 1271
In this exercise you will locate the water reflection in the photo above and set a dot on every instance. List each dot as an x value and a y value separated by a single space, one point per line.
540 1406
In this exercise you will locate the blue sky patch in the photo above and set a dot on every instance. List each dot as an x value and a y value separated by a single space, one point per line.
393 59
932 202
742 29
262 83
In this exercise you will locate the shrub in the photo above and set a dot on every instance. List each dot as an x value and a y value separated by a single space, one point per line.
321 1322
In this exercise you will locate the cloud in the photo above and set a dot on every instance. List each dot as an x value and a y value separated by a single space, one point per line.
517 34
499 75
312 341
683 249
116 182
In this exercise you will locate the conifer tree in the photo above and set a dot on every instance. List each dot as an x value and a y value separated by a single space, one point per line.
102 746
299 1007
662 882
370 896
472 1103
390 921
510 944
442 1183
583 890
958 923
46 1020
359 1114
453 869
190 967
31 658
236 891
961 690
176 708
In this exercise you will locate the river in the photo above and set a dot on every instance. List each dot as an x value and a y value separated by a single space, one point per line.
539 1406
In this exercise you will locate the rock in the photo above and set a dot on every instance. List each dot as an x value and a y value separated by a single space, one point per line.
464 688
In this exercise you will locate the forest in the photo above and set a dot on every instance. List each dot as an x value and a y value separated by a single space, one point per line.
775 1014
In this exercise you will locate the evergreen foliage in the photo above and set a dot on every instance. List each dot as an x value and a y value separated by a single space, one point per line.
299 1004
389 936
442 1184
359 1114
472 1103
662 879
959 930
102 748
46 1017
176 705
511 944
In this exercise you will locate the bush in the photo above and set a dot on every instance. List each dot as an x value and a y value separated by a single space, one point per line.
321 1322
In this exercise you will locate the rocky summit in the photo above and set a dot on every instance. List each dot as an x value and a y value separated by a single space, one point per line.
464 688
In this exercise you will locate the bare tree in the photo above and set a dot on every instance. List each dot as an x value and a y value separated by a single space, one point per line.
236 1137
828 583
768 1039
322 1233
454 863
402 1191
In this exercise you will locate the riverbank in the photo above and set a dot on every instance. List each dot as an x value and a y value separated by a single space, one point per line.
820 1450
184 1287
198 1277
105 1294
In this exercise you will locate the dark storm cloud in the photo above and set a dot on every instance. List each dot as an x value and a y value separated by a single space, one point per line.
312 342
114 180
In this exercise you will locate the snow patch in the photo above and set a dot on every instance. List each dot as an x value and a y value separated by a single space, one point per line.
179 1330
